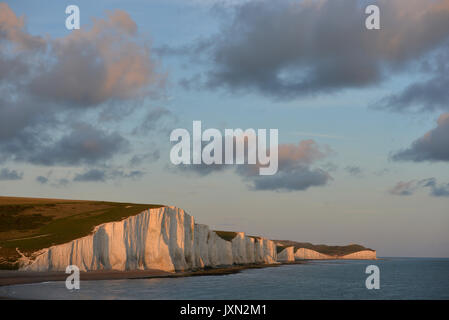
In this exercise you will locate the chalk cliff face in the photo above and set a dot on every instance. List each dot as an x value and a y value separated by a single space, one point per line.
362 255
163 238
287 255
307 254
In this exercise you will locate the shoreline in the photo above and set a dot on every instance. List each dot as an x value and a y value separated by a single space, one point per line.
14 277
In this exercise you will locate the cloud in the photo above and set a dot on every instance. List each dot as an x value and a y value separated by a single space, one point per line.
88 67
433 146
101 175
295 168
12 29
98 64
139 159
295 172
410 187
154 119
91 175
84 144
56 183
6 174
354 171
426 95
297 178
287 49
436 190
49 85
404 188
63 182
42 179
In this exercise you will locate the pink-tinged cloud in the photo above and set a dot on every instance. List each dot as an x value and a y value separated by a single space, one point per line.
12 29
298 168
305 152
46 85
99 64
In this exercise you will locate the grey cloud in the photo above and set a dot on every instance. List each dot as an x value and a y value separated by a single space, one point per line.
404 188
354 170
410 187
298 178
330 167
153 120
202 169
101 175
42 179
45 83
440 191
436 190
6 174
50 180
295 171
91 175
86 68
63 182
433 146
98 64
134 174
85 144
139 159
428 95
290 48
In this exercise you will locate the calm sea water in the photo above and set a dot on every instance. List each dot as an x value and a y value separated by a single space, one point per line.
400 278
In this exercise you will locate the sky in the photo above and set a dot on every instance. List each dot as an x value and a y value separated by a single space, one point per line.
363 115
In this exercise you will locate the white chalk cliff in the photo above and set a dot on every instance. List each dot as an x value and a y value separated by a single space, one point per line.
308 254
287 255
361 255
164 238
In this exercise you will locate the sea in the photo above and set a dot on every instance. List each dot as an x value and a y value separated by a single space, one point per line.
399 278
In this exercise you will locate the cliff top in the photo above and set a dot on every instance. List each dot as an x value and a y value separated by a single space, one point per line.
31 224
226 235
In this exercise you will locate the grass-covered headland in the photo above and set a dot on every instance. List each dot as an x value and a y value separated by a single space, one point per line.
31 224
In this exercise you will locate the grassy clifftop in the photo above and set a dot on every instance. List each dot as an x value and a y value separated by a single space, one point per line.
226 235
31 224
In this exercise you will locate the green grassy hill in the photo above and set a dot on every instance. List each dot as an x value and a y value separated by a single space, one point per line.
31 224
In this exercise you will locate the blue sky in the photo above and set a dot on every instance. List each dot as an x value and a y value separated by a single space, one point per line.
361 206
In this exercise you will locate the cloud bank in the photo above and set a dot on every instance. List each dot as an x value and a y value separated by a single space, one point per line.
286 49
52 88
